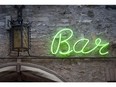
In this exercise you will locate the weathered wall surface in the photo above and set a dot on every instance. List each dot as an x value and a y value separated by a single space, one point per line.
79 70
88 21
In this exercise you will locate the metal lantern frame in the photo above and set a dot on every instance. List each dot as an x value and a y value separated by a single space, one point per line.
22 31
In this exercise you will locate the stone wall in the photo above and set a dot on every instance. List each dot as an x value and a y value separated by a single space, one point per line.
88 21
80 70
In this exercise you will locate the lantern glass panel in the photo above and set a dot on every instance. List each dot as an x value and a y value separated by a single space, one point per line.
25 37
20 38
17 38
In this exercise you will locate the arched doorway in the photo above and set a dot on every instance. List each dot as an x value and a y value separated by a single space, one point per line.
28 73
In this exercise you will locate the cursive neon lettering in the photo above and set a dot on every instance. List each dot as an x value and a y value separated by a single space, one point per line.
60 38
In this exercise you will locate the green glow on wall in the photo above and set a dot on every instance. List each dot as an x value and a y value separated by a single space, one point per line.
60 44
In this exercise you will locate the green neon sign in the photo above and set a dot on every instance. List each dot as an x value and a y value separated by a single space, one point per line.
61 44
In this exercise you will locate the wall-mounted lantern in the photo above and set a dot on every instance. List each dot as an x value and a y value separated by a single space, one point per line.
19 32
